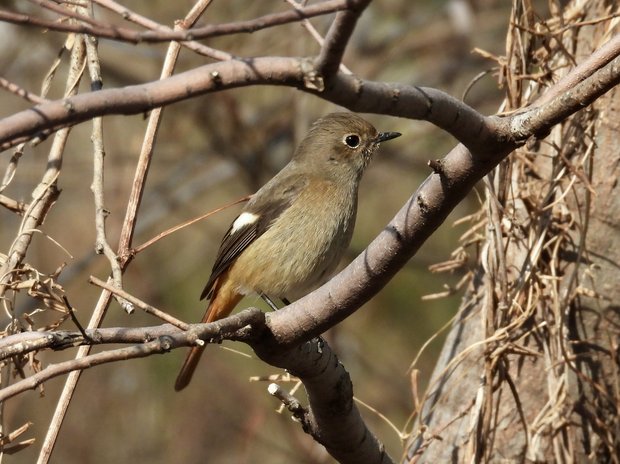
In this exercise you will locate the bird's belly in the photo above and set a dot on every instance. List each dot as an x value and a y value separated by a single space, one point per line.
283 263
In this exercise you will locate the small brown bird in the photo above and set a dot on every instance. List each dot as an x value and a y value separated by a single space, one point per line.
292 233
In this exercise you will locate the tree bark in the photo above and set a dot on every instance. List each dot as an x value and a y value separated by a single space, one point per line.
530 369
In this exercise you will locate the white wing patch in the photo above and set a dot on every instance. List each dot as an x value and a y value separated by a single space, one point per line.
243 220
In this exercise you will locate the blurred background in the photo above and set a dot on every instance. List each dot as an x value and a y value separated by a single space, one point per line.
210 151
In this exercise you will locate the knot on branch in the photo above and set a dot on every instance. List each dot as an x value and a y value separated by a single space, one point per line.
313 79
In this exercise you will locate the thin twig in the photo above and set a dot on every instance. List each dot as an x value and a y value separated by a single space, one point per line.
147 308
104 299
178 227
21 92
102 246
314 33
13 205
130 35
151 340
78 53
68 13
11 168
146 153
74 317
148 23
46 192
288 400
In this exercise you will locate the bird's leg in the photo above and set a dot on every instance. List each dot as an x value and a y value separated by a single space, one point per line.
271 304
269 301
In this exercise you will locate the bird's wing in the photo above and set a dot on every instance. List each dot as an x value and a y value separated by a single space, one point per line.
263 209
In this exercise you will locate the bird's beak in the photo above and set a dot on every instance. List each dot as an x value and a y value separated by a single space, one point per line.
384 136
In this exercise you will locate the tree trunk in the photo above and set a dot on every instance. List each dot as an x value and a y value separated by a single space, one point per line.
530 370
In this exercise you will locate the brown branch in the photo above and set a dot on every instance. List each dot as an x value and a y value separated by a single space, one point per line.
18 207
178 227
150 340
307 24
337 38
88 44
539 120
20 92
148 23
333 418
102 246
598 59
420 217
147 308
66 12
360 95
225 329
479 133
148 145
127 229
130 35
46 191
339 428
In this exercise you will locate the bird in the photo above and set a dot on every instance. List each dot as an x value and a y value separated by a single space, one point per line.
293 231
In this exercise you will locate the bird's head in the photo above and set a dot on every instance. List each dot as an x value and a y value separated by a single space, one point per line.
341 145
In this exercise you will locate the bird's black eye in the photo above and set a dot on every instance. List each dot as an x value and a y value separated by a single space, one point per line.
352 140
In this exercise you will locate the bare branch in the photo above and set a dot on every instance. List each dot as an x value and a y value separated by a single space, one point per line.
101 242
13 205
151 340
92 62
148 23
488 141
479 133
356 94
46 192
130 35
176 228
337 37
20 92
307 24
592 63
419 218
540 119
148 145
126 232
333 418
164 316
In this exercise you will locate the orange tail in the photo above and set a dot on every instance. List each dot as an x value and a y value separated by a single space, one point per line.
221 305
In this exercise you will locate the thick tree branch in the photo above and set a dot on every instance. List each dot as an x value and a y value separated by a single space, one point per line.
359 95
488 139
477 132
599 58
540 119
333 418
420 217
363 278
